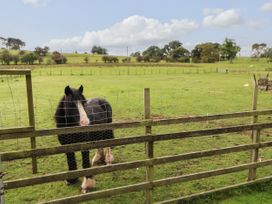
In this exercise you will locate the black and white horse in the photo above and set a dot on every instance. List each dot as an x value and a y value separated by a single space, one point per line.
74 110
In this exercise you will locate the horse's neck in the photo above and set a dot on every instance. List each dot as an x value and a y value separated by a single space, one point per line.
60 115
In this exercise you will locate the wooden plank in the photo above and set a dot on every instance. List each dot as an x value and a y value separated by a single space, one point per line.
213 191
255 136
129 140
128 165
101 194
31 117
133 124
149 146
206 174
15 72
204 118
16 130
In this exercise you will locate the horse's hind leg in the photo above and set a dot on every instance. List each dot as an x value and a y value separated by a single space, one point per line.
72 165
108 155
88 181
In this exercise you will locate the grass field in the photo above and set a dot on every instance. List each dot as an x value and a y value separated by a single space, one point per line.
202 89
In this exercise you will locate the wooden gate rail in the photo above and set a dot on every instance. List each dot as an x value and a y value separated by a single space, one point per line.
10 134
158 183
129 140
129 165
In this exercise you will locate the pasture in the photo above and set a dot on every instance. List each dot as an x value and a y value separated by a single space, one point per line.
176 91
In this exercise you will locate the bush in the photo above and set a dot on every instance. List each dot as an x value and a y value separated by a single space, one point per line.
110 59
5 57
29 58
58 58
126 60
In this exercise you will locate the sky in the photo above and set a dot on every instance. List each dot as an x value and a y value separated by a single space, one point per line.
78 25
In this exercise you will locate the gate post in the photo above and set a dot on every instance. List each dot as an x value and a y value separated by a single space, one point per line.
255 135
149 146
1 183
31 117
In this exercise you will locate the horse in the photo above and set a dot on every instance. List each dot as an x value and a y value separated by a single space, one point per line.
74 110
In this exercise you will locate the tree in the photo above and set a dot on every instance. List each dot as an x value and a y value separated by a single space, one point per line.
86 60
110 59
41 51
258 50
268 54
29 58
5 57
175 52
152 54
206 52
14 43
229 49
58 58
15 59
99 50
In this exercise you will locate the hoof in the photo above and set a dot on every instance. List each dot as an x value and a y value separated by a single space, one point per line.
87 184
71 181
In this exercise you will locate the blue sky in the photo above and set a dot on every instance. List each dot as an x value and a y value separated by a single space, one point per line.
70 25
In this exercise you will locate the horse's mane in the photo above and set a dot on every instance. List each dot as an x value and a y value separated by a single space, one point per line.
59 114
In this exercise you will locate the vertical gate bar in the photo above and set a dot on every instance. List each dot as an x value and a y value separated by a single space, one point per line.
149 146
255 135
31 117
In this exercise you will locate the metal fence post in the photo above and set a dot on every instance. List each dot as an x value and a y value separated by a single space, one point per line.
149 146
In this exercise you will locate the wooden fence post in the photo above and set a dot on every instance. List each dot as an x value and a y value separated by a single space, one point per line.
31 117
149 146
255 135
1 184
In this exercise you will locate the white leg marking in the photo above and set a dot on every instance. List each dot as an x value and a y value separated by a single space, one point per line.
108 156
87 184
97 157
84 120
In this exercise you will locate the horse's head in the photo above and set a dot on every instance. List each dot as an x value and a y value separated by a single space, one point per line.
73 105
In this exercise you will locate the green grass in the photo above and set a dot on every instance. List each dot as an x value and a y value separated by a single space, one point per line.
175 92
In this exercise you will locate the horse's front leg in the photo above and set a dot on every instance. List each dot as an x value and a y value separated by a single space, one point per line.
88 181
108 155
98 157
72 165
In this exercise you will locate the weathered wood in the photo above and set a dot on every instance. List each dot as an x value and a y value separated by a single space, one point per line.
101 194
129 140
1 183
133 124
203 118
128 165
15 72
156 183
149 146
31 118
16 130
206 174
255 136
213 191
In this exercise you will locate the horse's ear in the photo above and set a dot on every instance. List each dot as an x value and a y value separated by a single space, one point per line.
80 89
67 90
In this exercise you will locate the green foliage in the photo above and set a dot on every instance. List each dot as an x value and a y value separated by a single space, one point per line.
41 51
229 49
99 50
126 60
58 58
5 57
12 43
29 58
110 59
205 53
86 60
152 54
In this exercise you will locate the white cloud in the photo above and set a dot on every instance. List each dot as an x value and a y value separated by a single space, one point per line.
266 6
34 2
132 31
256 24
221 18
